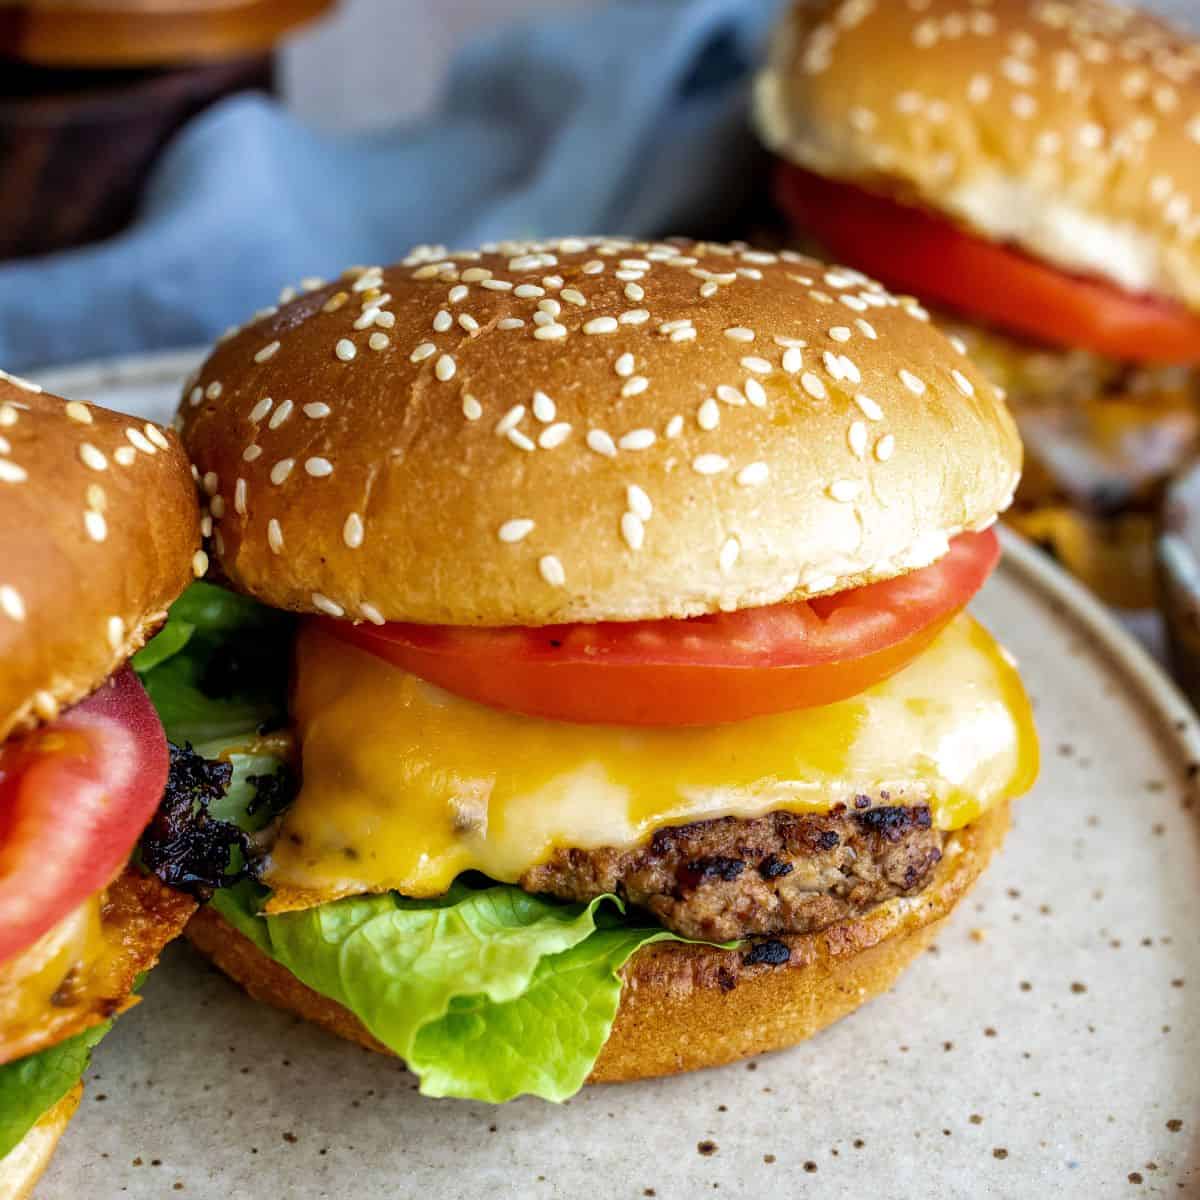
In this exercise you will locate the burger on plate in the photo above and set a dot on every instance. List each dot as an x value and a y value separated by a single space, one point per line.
1032 167
634 723
99 533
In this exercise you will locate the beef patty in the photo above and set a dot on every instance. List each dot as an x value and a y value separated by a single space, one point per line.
781 873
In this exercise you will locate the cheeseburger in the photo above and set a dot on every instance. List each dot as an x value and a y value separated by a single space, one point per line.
634 723
1032 167
98 535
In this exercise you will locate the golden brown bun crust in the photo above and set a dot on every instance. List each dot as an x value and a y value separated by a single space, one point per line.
23 1165
98 529
1071 128
363 488
139 915
685 1007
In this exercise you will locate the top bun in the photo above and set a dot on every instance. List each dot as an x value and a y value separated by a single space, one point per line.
588 431
1069 128
99 532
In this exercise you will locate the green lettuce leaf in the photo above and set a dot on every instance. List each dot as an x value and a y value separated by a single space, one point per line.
218 668
31 1086
487 992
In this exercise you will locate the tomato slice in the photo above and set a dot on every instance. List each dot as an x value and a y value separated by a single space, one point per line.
914 250
703 671
74 797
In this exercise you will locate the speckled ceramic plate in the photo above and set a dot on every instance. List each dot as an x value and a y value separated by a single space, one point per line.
1049 1044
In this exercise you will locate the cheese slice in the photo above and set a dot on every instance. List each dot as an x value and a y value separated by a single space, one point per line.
405 786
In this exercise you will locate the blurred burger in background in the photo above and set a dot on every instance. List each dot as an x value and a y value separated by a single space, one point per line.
1033 170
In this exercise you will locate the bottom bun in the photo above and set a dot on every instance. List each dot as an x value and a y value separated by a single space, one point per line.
684 1007
22 1166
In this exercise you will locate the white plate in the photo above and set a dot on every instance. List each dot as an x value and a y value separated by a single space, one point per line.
1048 1046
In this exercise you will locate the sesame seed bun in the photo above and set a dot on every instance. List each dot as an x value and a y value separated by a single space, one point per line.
589 430
99 530
1069 129
684 1007
24 1164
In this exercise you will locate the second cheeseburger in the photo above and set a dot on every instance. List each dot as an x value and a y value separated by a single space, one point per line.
637 721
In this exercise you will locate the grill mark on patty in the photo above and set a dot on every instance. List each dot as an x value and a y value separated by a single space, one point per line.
781 873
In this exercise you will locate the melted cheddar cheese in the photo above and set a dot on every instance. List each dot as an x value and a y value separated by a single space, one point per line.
406 786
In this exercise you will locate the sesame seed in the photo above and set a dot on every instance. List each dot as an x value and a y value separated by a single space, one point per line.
639 502
520 440
210 483
634 316
124 456
601 325
671 326
139 441
840 333
594 267
554 435
495 285
8 415
239 497
674 426
78 412
281 470
471 407
445 368
261 409
633 530
458 292
317 410
550 306
96 526
600 442
476 275
515 530
857 437
11 603
510 323
345 349
510 420
280 415
318 467
870 409
552 570
912 382
213 391
708 417
330 607
793 360
528 291
196 395
739 333
386 319
624 365
844 490
574 296
274 536
963 384
372 614
96 497
957 343
730 395
543 407
709 464
885 447
730 552
753 474
91 457
268 351
866 328
442 322
217 505
550 333
638 439
708 290
635 386
335 302
755 393
687 334
813 386
156 436
206 526
635 292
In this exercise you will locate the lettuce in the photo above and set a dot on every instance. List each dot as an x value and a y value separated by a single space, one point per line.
487 992
218 667
31 1086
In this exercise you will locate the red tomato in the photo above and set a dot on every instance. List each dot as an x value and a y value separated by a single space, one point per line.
703 671
914 250
74 798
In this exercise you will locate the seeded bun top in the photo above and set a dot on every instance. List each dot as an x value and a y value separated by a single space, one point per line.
1069 128
99 532
589 430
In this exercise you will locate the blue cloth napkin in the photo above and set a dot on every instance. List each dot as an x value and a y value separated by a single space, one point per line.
627 118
